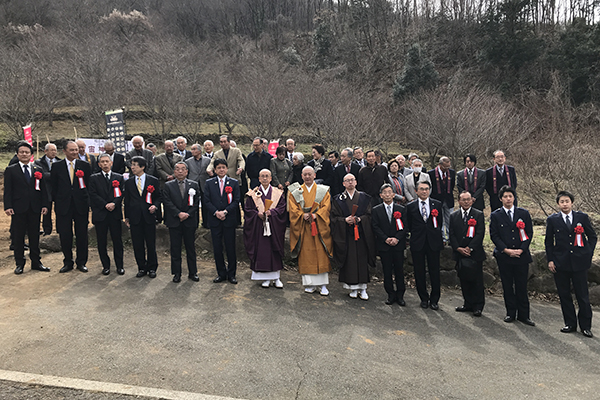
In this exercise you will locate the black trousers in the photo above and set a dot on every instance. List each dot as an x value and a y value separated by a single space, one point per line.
187 236
393 272
514 286
102 228
473 290
433 266
563 280
220 234
47 220
21 224
64 227
204 213
143 237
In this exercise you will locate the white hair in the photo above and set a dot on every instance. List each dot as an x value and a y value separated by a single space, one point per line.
299 156
181 137
208 141
47 146
137 137
232 143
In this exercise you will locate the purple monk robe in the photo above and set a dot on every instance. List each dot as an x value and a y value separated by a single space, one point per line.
265 252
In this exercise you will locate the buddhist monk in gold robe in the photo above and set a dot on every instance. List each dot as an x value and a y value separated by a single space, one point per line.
309 205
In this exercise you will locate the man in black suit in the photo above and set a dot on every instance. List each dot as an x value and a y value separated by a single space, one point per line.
371 177
106 196
498 176
472 180
390 236
25 199
424 221
138 150
181 143
45 163
467 229
85 156
181 199
511 231
142 211
70 180
118 160
570 243
222 198
256 161
443 179
346 167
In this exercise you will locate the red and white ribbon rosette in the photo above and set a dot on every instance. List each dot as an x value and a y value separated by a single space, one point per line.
150 190
471 231
191 194
578 235
229 190
116 188
79 174
38 176
522 234
434 214
397 215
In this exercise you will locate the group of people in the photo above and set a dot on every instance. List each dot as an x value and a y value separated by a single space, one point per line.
342 211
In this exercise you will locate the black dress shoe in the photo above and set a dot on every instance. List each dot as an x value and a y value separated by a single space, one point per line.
120 271
152 274
434 306
219 279
568 329
390 301
401 302
509 319
82 268
194 277
527 322
41 267
477 313
177 278
66 268
233 280
587 333
19 270
106 271
463 309
141 273
424 304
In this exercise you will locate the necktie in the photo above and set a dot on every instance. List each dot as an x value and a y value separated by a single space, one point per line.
107 177
389 211
510 215
568 222
470 175
26 172
50 164
348 168
71 170
221 186
465 217
139 185
424 211
181 187
501 170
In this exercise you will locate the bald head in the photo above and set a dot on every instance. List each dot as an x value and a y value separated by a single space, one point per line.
308 175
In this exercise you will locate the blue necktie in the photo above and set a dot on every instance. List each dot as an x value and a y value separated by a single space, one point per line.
26 173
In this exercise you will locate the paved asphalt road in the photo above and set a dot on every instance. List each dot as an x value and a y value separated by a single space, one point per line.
243 341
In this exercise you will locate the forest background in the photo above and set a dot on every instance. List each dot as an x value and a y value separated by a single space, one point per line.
441 77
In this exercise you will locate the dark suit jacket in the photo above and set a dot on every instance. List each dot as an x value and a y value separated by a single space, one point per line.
174 204
22 196
214 202
42 162
185 156
147 154
91 159
476 192
560 242
338 177
500 181
459 230
442 194
136 208
421 231
102 193
118 164
505 234
325 173
63 190
383 228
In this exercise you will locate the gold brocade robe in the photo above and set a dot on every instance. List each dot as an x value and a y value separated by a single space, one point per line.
313 252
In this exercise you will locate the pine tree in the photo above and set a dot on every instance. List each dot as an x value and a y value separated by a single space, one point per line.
418 73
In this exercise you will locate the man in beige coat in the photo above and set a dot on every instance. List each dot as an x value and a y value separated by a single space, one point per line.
165 163
233 156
